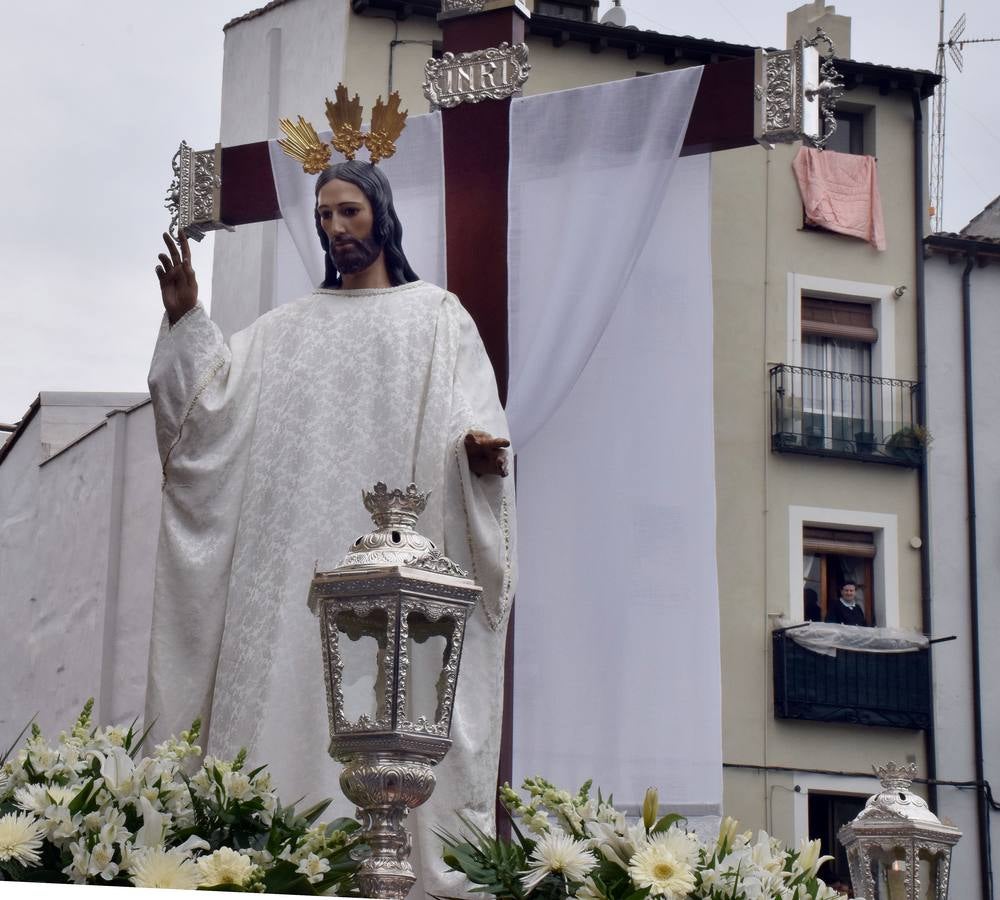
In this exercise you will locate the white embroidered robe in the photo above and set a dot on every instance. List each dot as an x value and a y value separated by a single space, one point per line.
266 445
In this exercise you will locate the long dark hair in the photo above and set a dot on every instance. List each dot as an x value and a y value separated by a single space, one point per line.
386 229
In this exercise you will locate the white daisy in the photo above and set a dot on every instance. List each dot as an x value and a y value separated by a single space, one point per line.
558 853
225 866
664 864
155 867
20 839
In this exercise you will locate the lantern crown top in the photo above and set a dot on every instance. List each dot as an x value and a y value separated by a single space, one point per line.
395 541
395 508
896 800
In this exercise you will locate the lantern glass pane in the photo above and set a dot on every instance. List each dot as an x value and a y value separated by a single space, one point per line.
429 647
889 869
928 865
361 641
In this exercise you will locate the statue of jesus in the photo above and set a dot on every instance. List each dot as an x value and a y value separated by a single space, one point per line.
266 444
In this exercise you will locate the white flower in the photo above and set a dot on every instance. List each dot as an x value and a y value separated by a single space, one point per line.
76 871
60 823
589 891
20 839
558 853
154 825
61 796
4 782
113 830
535 820
226 866
155 867
665 864
117 768
313 868
236 785
809 860
102 862
32 798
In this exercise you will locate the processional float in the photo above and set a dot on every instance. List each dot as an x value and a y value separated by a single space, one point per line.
395 591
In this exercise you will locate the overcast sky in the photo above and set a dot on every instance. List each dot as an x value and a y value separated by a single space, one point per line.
99 94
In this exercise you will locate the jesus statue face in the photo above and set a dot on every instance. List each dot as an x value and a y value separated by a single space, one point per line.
346 216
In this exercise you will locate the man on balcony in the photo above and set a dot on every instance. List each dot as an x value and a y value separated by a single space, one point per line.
846 610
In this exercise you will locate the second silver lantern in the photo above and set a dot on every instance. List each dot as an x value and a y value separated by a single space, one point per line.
392 620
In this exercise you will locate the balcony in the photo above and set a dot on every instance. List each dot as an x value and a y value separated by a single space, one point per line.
888 689
837 414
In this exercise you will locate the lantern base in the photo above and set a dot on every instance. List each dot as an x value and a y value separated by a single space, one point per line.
385 789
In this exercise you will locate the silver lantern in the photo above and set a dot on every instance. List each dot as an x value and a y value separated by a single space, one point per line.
896 847
392 619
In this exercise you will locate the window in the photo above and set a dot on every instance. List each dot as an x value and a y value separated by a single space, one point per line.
843 537
858 311
831 556
828 813
563 10
850 134
837 392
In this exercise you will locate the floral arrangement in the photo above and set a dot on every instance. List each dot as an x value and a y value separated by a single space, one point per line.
88 810
581 847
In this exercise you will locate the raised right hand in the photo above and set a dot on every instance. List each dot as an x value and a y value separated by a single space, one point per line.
178 285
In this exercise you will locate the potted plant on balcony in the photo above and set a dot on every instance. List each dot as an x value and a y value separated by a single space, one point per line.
864 442
909 443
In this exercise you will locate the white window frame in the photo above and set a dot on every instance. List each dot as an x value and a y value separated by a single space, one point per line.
885 529
880 297
825 784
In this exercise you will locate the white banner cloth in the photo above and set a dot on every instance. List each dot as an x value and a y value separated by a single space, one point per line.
416 173
617 668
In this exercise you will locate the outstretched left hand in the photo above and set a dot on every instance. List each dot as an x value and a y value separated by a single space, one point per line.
486 453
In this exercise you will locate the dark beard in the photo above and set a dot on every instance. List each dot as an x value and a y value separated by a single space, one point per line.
354 255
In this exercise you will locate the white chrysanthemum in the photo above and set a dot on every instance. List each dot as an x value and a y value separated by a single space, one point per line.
225 866
313 867
32 798
20 839
558 853
4 782
665 864
155 867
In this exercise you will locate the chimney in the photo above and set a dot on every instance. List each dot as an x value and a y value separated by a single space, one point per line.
803 22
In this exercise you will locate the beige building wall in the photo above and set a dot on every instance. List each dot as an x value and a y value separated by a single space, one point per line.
758 246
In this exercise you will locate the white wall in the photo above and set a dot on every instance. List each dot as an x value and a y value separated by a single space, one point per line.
78 537
282 64
953 692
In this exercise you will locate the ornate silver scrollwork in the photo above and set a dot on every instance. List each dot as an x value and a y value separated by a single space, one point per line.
462 6
385 791
796 93
491 74
194 197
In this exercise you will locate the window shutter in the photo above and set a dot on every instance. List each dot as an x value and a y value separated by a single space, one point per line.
838 319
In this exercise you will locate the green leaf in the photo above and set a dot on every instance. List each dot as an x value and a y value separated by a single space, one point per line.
639 894
666 822
80 800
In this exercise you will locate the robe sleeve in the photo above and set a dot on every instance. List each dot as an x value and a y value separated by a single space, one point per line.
188 356
487 502
204 402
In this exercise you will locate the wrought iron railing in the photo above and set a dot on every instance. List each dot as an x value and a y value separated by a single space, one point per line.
888 689
827 413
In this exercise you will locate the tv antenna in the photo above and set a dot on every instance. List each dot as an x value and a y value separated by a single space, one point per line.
952 47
